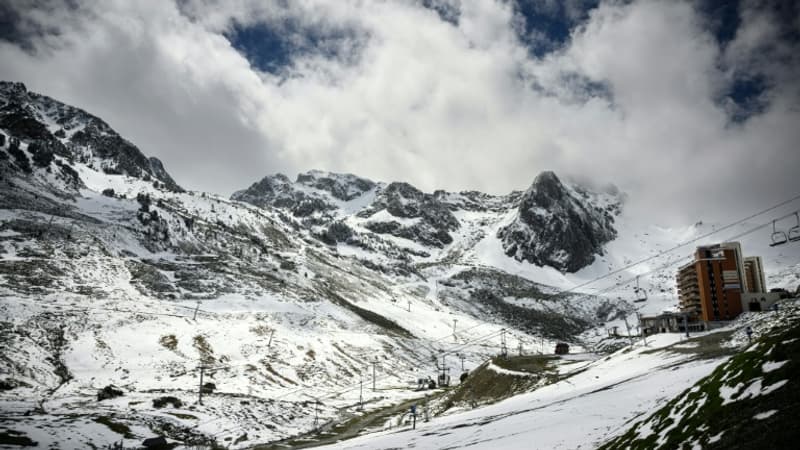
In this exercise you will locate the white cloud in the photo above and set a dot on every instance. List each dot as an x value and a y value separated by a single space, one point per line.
440 105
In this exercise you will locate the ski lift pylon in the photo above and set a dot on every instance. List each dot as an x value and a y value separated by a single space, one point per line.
778 237
641 294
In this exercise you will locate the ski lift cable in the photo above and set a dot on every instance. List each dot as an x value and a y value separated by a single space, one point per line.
679 260
355 386
420 358
459 347
673 249
682 244
566 291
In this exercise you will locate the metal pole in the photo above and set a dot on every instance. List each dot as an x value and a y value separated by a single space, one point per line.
686 325
373 373
269 344
628 327
195 311
361 394
641 329
454 330
200 396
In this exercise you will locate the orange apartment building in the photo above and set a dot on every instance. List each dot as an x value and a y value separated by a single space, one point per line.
710 288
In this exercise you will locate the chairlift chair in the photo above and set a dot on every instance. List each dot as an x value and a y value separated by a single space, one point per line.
778 237
641 294
794 233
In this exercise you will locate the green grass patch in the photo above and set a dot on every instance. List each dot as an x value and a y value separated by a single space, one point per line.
528 363
349 428
704 347
485 386
698 414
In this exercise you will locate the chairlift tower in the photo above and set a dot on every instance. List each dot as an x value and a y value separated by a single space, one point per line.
641 329
641 293
444 376
374 363
628 327
361 393
316 413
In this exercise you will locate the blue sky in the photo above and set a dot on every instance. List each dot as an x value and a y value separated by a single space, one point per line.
652 96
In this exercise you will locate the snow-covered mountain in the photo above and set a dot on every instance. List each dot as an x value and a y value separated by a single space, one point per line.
291 293
551 224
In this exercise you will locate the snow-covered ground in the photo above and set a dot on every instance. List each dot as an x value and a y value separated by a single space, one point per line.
101 287
581 411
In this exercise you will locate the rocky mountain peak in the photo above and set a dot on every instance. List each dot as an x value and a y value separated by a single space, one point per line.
558 225
343 186
49 127
13 89
546 189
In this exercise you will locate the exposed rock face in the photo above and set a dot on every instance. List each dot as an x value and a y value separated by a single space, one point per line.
434 220
326 188
344 186
558 226
272 190
52 128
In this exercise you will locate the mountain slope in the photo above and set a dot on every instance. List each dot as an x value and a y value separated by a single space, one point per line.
50 128
111 274
748 402
551 224
291 295
593 402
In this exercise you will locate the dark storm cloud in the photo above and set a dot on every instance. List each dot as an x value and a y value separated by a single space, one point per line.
691 112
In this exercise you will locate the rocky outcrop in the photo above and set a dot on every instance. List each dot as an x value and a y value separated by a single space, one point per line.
313 194
558 226
342 186
433 220
50 127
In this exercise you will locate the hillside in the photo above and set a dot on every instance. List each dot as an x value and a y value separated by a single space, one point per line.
748 402
676 392
291 295
112 274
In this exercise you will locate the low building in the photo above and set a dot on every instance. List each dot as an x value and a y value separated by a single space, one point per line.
760 301
671 322
562 348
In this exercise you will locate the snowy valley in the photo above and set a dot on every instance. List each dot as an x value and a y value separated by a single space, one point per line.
310 306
